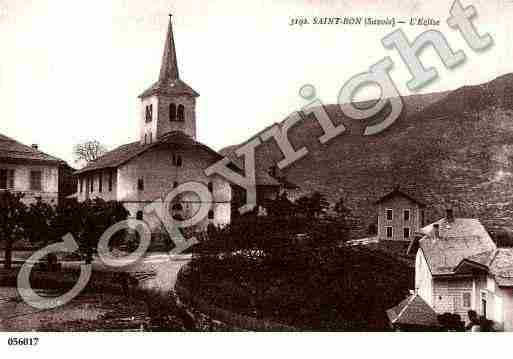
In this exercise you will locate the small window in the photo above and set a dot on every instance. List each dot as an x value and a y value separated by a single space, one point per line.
389 214
177 160
175 184
36 181
406 233
172 112
3 179
139 216
100 183
140 184
406 214
6 179
467 300
211 214
389 232
149 113
111 178
81 185
177 207
210 187
181 113
151 137
91 181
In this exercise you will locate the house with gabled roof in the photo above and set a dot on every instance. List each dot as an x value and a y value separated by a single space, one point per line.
166 155
400 216
413 314
459 268
36 174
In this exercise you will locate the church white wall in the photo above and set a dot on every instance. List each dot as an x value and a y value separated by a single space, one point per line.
105 194
159 174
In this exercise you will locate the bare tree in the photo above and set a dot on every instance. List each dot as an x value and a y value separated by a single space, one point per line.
88 151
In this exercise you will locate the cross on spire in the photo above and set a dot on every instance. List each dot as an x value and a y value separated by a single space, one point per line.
169 66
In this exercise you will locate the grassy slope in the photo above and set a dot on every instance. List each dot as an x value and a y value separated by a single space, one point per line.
449 149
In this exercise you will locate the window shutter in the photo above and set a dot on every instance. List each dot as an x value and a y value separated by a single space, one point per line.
11 179
3 179
35 181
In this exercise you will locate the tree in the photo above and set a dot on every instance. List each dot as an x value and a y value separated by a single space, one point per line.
280 207
88 151
313 206
98 215
12 213
39 227
344 214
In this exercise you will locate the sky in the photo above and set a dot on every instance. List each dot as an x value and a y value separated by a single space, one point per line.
72 70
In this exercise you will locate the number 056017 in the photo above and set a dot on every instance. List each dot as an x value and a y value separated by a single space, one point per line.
23 341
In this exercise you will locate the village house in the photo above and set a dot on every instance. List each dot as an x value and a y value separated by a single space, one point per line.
400 216
459 268
26 169
166 155
413 314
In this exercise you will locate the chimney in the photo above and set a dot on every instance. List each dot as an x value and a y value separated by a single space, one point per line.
449 216
436 230
35 146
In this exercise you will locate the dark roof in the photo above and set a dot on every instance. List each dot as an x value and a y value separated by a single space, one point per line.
501 267
171 87
397 192
261 173
125 153
458 240
413 311
12 150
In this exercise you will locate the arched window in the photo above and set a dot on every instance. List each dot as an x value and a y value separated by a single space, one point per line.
211 214
149 113
151 137
172 112
177 160
181 113
139 216
210 187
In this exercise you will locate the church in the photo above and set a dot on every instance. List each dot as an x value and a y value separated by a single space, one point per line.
166 156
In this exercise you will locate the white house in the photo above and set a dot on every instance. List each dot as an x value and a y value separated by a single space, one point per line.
459 268
25 169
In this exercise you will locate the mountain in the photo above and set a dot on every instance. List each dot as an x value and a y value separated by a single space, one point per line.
448 149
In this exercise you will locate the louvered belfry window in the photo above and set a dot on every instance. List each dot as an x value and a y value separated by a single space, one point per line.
181 113
149 113
172 112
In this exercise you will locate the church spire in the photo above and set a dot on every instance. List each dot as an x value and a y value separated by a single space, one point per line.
169 67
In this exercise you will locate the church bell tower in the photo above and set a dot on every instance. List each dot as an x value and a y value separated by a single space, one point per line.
169 104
